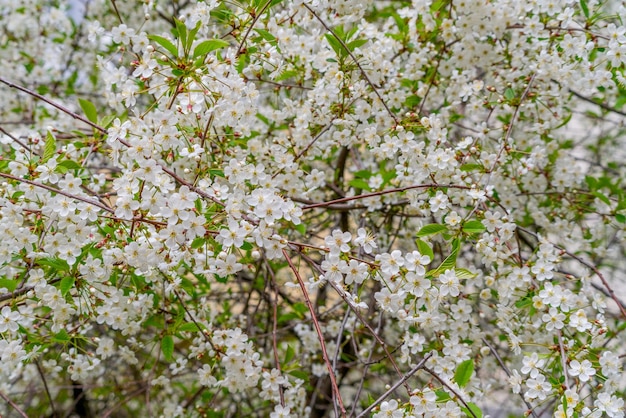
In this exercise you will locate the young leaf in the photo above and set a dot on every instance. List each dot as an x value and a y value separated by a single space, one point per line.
425 249
89 109
335 45
167 347
9 284
450 261
205 47
66 284
356 43
473 227
464 372
188 327
49 148
474 410
431 229
464 274
289 354
585 8
165 43
181 32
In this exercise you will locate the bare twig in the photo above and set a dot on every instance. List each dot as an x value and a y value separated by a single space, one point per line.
590 266
51 103
320 335
395 386
383 192
508 373
451 389
13 405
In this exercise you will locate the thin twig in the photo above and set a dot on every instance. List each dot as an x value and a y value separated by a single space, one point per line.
320 335
395 386
451 389
599 104
51 103
256 18
356 62
61 192
383 192
590 266
13 405
508 373
17 141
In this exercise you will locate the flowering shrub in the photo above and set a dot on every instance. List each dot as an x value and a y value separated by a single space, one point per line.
312 208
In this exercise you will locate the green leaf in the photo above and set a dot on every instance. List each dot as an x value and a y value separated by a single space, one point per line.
474 410
89 109
165 43
301 228
509 94
181 33
584 8
300 375
289 354
335 45
425 249
363 174
472 167
56 264
442 395
70 165
205 47
356 43
602 197
473 227
188 327
66 284
49 148
464 274
360 184
9 284
431 229
198 242
464 372
267 35
61 337
167 347
450 262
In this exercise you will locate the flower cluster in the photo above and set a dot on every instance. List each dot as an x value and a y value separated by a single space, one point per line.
312 208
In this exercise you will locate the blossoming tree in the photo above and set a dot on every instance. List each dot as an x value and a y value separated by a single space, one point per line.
312 208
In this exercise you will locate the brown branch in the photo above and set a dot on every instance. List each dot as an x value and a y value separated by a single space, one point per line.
395 386
61 192
383 192
451 389
51 103
508 373
320 335
13 405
